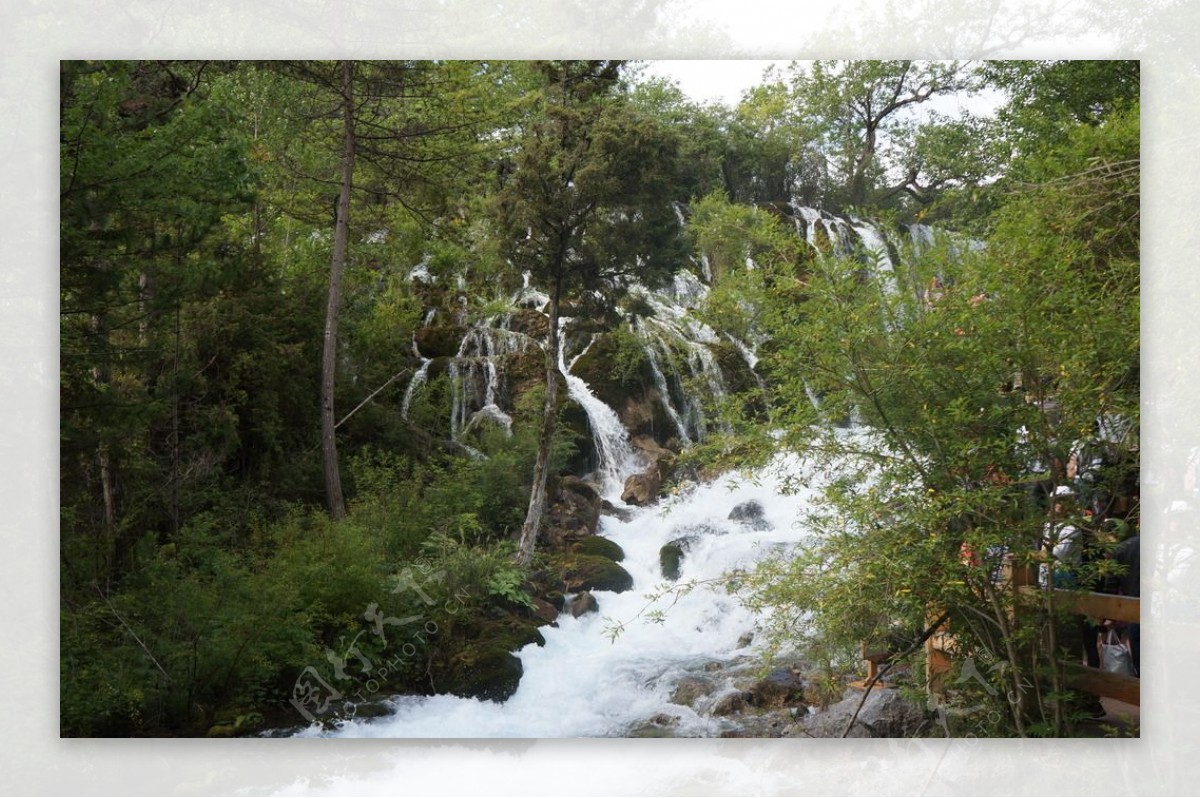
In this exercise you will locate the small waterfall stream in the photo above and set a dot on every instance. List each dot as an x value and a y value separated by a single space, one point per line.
581 683
618 460
585 682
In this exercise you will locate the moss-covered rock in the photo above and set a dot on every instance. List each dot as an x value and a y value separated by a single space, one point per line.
533 323
735 371
614 367
600 547
670 559
513 633
483 670
439 341
591 572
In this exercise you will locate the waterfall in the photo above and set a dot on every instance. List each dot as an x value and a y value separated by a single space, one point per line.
618 460
584 684
671 335
476 378
664 389
581 683
874 246
414 385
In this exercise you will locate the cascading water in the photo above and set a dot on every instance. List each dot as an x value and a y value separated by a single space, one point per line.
584 684
671 335
617 457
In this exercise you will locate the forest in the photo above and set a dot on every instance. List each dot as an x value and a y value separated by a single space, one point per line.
341 342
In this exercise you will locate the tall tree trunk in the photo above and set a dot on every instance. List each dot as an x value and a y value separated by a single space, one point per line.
341 236
108 476
541 467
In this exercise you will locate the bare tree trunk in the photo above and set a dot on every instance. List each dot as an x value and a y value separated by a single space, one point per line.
108 476
341 235
541 468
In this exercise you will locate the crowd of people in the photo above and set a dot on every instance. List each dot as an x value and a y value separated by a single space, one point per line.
1091 541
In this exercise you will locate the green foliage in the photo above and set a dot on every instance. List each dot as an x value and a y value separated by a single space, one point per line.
590 197
196 208
1039 331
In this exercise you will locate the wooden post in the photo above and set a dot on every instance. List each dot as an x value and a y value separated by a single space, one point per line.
873 659
937 657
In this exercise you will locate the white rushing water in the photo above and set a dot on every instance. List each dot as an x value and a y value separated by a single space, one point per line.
617 458
584 684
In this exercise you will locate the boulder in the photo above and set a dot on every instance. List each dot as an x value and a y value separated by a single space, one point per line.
654 451
642 489
600 547
589 572
544 611
584 603
670 559
659 457
731 703
660 725
751 514
886 713
368 709
690 689
485 671
780 688
620 513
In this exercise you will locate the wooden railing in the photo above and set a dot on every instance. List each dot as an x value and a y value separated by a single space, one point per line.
940 647
1098 605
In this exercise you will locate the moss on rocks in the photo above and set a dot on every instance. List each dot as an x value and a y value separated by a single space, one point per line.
439 341
483 670
600 547
592 572
670 558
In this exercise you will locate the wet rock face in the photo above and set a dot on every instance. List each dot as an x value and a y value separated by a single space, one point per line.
611 510
583 604
750 514
589 572
642 489
731 703
533 323
573 516
780 688
670 560
600 547
439 341
691 689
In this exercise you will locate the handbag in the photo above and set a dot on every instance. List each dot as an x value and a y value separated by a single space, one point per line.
1115 656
